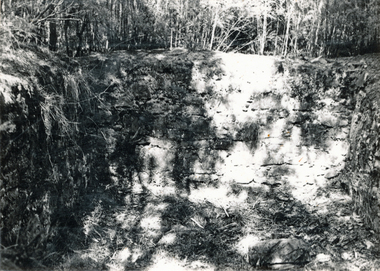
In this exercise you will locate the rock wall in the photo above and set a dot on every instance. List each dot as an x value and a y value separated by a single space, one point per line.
362 171
196 120
181 122
212 118
201 118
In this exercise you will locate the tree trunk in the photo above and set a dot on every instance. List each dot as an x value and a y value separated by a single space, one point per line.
264 35
176 39
295 44
52 31
213 30
66 28
285 48
53 36
316 37
276 38
171 39
80 31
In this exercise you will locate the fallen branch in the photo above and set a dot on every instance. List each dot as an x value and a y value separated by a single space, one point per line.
199 225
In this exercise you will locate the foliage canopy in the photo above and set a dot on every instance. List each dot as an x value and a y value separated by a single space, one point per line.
279 27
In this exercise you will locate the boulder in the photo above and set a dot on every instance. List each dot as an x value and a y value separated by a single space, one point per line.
279 253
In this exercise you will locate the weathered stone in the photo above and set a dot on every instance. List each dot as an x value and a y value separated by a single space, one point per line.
343 123
332 174
322 258
279 251
222 144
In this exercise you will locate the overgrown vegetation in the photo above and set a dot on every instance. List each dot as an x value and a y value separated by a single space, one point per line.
48 165
280 27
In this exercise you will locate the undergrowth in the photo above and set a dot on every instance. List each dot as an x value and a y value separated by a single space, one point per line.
41 105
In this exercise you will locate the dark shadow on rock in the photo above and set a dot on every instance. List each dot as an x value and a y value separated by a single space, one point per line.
249 134
311 85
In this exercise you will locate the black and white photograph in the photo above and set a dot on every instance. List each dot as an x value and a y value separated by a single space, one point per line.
189 135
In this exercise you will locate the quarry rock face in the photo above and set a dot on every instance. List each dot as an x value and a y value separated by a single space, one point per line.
235 119
188 147
231 118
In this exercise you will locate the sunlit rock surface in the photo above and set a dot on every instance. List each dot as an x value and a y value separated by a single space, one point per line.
233 118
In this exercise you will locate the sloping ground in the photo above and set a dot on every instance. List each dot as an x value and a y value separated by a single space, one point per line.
200 161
